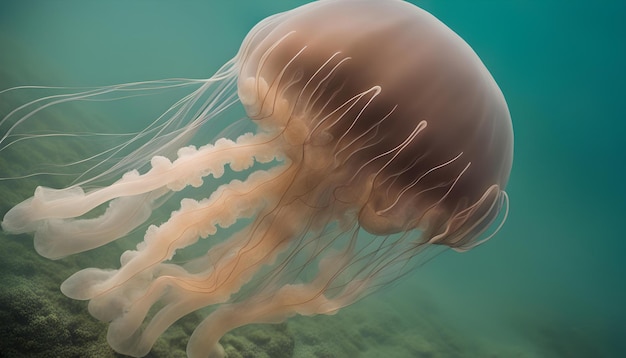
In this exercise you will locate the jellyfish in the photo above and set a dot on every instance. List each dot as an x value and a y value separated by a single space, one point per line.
378 133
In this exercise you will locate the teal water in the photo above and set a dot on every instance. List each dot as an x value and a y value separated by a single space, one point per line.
550 284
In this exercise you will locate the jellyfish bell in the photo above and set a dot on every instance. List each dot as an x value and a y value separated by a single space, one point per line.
376 117
394 73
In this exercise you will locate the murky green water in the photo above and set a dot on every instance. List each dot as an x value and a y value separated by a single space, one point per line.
551 284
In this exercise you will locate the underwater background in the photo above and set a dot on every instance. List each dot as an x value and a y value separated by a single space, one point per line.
552 283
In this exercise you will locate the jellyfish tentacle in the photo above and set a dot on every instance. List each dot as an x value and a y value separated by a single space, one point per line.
57 238
194 219
277 302
288 301
465 226
93 94
188 169
53 215
184 292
